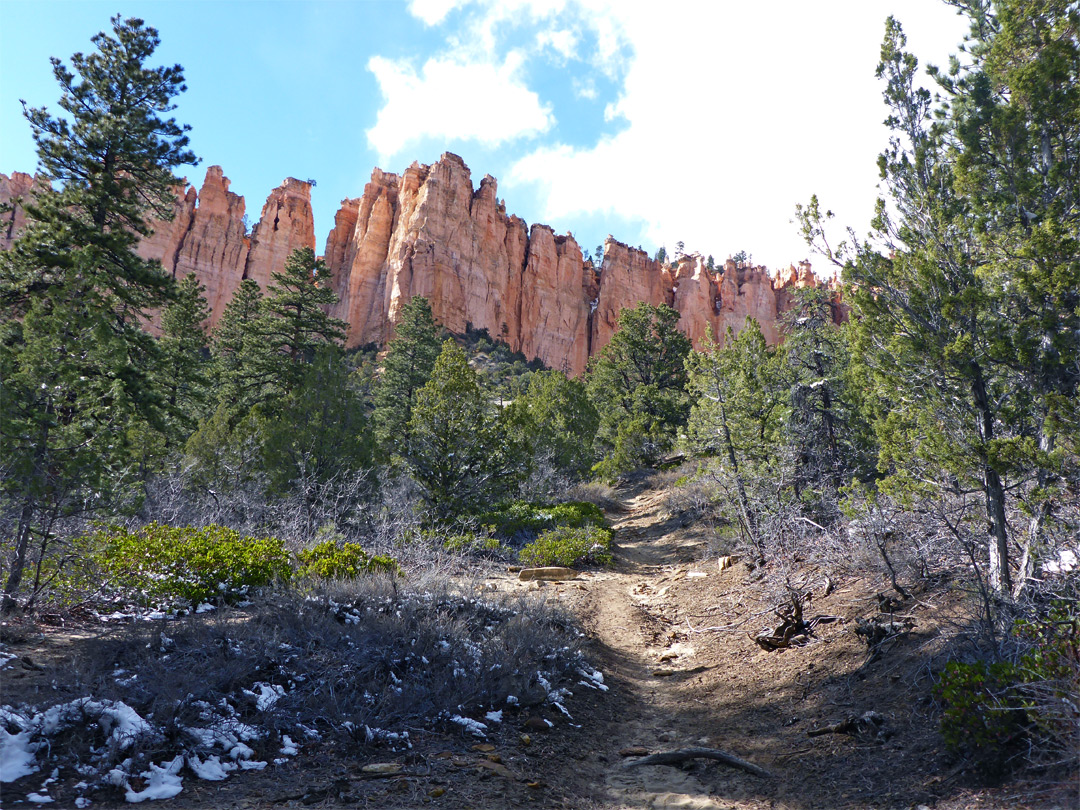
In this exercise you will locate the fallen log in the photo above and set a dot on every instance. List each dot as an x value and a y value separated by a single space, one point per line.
869 723
549 574
681 755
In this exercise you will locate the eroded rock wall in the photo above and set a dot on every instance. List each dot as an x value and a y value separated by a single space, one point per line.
429 232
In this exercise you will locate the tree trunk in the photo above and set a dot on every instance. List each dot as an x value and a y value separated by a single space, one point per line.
994 490
18 564
1033 543
745 515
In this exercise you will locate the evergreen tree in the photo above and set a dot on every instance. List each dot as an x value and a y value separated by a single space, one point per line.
234 347
1017 124
740 408
318 440
410 359
967 320
558 420
825 434
77 367
183 374
293 323
457 450
638 385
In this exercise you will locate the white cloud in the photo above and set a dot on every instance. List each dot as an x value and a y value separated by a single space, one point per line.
433 12
732 115
585 88
728 114
453 99
563 42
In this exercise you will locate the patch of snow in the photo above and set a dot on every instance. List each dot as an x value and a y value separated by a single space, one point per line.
474 727
593 678
1067 560
511 700
249 765
82 802
17 755
37 798
494 717
205 607
209 769
288 747
268 695
163 782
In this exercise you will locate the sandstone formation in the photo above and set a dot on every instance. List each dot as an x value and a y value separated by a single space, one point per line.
286 223
428 232
214 245
627 276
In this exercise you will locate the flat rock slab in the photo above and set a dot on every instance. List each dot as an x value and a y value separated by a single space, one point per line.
548 574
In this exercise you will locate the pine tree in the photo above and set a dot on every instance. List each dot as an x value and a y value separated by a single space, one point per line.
318 440
456 449
76 365
183 375
638 385
825 434
967 321
740 408
234 346
262 344
1017 123
410 359
558 420
293 323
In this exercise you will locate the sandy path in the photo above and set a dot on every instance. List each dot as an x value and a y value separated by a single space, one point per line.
635 627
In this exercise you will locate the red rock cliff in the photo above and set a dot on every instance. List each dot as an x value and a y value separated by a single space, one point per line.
429 232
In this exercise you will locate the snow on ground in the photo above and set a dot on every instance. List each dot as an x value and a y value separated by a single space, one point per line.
474 727
106 740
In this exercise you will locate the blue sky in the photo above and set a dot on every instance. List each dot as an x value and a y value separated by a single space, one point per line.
704 122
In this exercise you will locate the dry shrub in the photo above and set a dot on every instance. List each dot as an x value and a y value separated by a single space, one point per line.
362 662
599 493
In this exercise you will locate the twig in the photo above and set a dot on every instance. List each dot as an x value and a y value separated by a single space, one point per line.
680 755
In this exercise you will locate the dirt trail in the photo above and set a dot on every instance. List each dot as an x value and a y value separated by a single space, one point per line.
673 635
649 656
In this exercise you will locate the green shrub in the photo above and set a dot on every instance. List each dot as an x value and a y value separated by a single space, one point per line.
511 519
993 712
569 546
981 718
331 560
192 564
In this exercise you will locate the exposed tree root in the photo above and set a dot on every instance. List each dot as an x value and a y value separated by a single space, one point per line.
681 755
